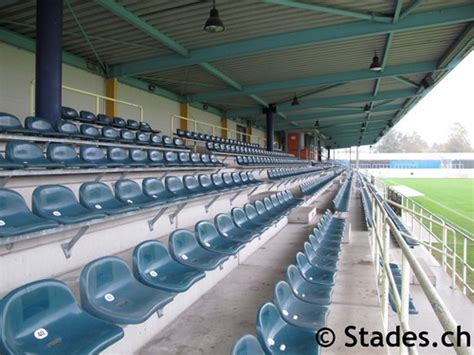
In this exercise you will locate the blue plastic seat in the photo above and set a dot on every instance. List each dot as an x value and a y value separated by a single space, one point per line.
206 183
271 210
264 213
215 161
98 196
43 317
10 124
103 120
247 345
218 182
68 128
143 138
59 203
128 191
171 159
300 313
154 188
41 127
69 113
206 160
139 157
156 139
29 155
323 258
184 159
6 164
228 181
185 249
308 291
127 136
211 239
109 134
121 156
156 158
119 122
109 291
16 218
90 132
96 156
132 124
196 159
279 337
192 186
175 186
254 217
313 273
86 116
317 241
227 228
66 155
237 179
242 221
168 141
181 133
154 266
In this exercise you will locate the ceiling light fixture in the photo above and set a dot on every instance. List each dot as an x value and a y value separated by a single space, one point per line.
295 101
376 66
214 24
316 124
367 108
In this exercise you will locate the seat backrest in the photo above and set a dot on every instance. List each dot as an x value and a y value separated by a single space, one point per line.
117 154
167 140
274 200
156 138
104 119
132 124
227 178
195 158
119 122
153 187
180 132
101 277
283 295
174 185
260 207
143 137
250 211
178 142
205 181
67 127
224 223
68 113
243 177
191 183
268 320
92 154
210 145
239 216
217 180
302 261
184 157
92 194
38 124
214 159
205 159
127 135
31 307
23 151
144 126
138 155
294 277
89 130
109 132
149 255
48 199
156 156
171 157
87 116
11 203
268 204
125 190
60 153
206 232
236 178
181 243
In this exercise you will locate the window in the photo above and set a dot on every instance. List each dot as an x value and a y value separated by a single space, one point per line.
241 133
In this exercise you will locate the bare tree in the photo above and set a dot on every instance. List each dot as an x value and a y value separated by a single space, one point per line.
458 140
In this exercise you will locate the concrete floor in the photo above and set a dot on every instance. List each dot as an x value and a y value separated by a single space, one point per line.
228 311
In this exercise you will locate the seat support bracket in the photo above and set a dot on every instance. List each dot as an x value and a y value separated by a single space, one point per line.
4 181
176 212
99 177
234 197
252 191
214 199
152 221
67 247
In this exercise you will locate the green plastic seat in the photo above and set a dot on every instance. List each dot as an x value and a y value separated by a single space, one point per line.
327 261
156 158
8 165
242 221
98 196
154 188
247 345
171 159
119 122
308 291
210 239
196 159
129 192
66 155
68 113
16 218
43 317
29 155
313 273
185 249
184 159
41 127
226 227
110 292
278 337
206 183
122 156
254 217
109 134
139 157
86 116
218 182
90 132
192 186
293 310
127 136
59 203
317 240
103 120
96 156
68 128
175 186
10 124
154 266
143 138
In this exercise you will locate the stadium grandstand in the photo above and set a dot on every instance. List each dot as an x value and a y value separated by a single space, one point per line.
172 182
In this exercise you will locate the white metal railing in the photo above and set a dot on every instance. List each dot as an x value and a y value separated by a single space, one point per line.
97 98
382 228
215 130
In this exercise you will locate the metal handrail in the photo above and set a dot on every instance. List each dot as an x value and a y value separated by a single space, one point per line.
214 127
98 97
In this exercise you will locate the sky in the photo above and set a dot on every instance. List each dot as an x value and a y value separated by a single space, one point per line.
452 100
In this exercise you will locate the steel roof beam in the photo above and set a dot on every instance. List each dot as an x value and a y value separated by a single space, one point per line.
312 36
327 79
354 121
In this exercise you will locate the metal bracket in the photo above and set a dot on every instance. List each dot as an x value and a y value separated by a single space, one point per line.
221 266
218 171
99 177
4 181
281 183
261 170
175 213
252 191
160 312
214 199
152 221
234 197
9 246
164 175
67 247
123 174
271 187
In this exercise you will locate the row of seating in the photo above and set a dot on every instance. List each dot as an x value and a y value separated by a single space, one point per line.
283 173
210 138
311 187
300 306
44 316
366 204
342 200
255 161
237 149
37 126
22 154
69 113
57 204
397 276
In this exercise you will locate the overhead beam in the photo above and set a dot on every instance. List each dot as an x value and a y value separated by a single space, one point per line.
327 79
436 18
338 100
334 123
331 10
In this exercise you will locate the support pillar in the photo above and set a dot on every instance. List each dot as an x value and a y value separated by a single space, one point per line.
224 131
357 157
319 150
49 32
183 112
111 90
329 153
249 131
270 112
